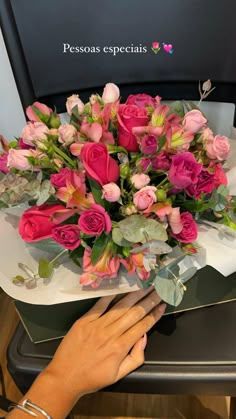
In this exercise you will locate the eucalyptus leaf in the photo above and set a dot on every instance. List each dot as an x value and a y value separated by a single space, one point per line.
169 290
46 190
48 245
45 268
188 274
137 228
118 238
157 247
177 107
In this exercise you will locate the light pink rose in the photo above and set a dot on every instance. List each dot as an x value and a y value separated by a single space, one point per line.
139 180
73 101
94 221
17 159
34 132
111 93
67 134
43 109
145 197
111 192
218 148
193 121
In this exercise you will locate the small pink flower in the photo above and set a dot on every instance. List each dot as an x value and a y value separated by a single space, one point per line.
3 163
32 115
149 144
140 180
111 93
111 192
94 221
194 121
67 134
92 131
145 197
34 132
175 222
17 159
189 231
73 101
66 235
218 148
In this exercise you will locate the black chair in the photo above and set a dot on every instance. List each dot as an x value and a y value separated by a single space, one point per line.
194 352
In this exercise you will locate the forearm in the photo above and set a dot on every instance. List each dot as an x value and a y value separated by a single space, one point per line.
52 394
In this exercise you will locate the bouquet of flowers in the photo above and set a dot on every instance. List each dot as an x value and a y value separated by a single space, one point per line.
118 185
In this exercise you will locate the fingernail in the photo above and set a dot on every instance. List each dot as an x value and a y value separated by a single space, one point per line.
144 342
162 308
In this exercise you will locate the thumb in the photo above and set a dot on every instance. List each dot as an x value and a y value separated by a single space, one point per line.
134 359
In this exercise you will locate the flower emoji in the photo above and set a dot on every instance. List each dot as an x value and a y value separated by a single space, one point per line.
155 47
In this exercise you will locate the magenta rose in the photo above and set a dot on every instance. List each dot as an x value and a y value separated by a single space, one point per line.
218 148
58 180
149 144
161 161
184 170
129 117
144 163
205 184
3 163
94 221
141 100
35 223
67 235
98 164
189 231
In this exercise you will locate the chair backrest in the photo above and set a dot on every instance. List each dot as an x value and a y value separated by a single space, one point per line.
65 46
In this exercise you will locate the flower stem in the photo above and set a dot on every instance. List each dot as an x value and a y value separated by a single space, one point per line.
58 256
64 156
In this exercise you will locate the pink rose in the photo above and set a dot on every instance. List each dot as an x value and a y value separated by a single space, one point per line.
194 121
17 159
189 231
149 144
111 192
3 163
98 164
145 197
220 177
34 132
205 184
139 180
94 221
43 109
73 101
58 180
155 45
218 148
184 170
141 100
67 235
161 161
35 223
130 116
111 93
67 134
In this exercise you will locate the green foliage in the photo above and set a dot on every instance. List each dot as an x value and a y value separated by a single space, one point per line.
177 108
138 229
45 269
96 190
98 247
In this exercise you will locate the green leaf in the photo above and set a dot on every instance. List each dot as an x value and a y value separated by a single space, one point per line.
116 149
118 238
98 248
188 274
48 245
177 107
137 228
169 291
97 193
45 268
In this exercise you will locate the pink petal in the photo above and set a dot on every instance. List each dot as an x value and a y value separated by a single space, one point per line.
175 221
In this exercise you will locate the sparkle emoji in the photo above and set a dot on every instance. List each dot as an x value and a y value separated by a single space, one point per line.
155 47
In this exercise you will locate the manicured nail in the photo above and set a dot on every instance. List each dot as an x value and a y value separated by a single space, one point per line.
144 342
162 308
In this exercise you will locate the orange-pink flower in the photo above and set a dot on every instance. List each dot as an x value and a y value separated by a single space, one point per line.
135 263
74 191
106 267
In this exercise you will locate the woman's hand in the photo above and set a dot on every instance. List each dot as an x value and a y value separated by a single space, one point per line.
102 347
